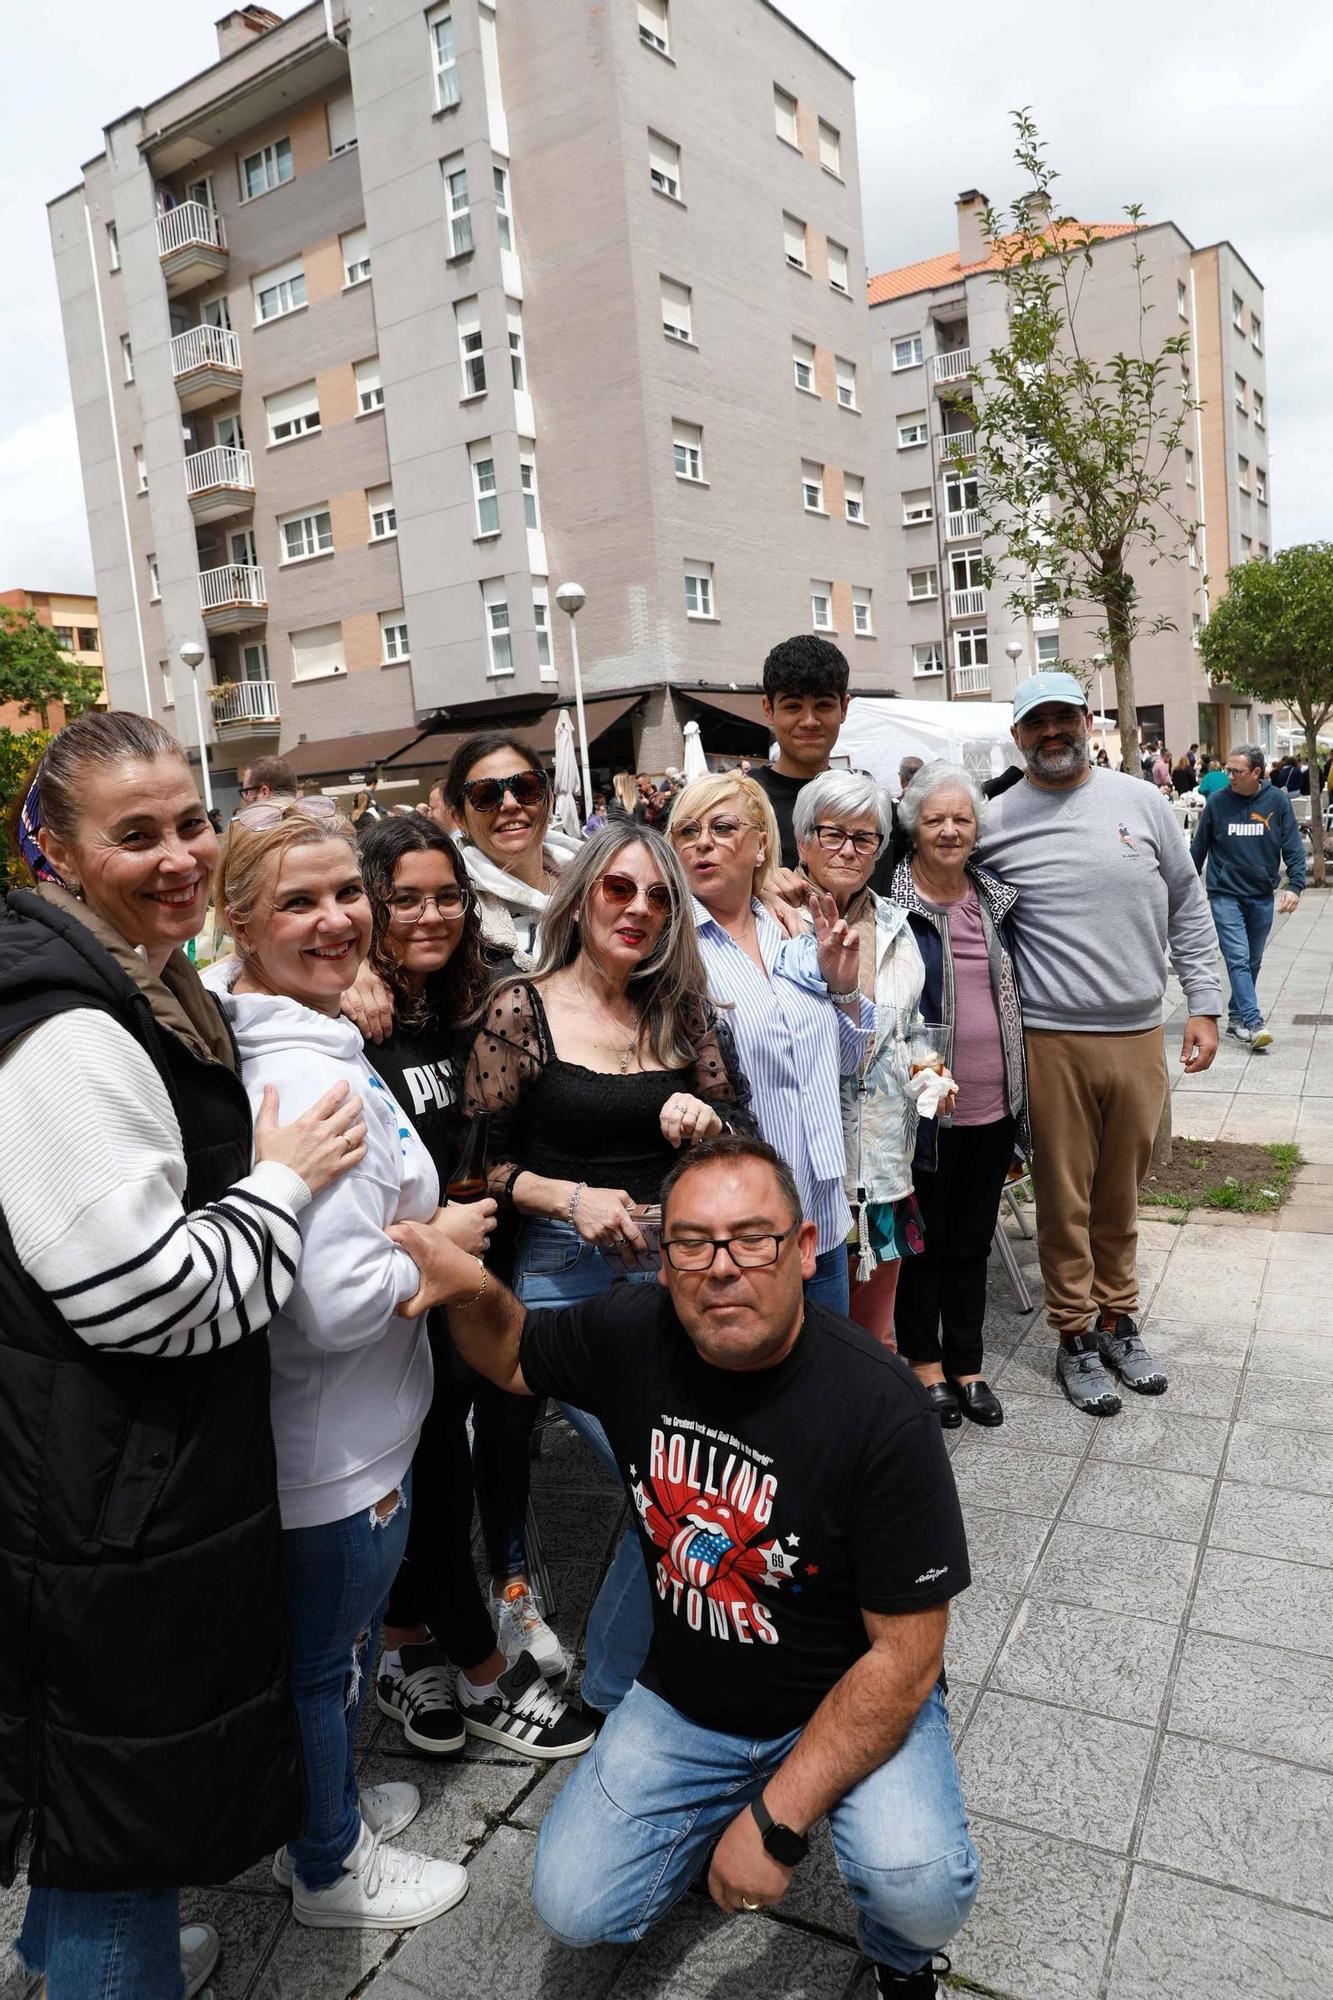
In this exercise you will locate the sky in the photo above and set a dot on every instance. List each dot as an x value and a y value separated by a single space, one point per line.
1214 118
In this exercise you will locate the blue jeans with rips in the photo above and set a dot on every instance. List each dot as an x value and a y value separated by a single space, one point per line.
104 1944
1243 924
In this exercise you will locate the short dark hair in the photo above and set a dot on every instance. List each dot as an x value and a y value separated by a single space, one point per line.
471 753
1252 754
735 1146
275 772
806 665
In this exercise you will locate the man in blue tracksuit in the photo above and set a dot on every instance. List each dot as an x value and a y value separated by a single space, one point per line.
1245 835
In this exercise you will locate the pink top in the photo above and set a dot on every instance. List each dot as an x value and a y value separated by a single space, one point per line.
978 1054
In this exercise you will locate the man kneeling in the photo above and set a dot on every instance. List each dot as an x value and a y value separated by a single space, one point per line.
802 1533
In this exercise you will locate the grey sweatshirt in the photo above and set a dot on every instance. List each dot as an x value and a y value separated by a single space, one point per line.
1106 888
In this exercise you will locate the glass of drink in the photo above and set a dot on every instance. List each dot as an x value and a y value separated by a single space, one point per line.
930 1047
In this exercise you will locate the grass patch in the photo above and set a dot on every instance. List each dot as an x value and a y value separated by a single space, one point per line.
1215 1173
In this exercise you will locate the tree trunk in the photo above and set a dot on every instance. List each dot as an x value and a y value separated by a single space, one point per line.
1317 870
1127 713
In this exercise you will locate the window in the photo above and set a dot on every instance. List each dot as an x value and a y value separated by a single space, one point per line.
1189 468
291 413
1243 474
912 430
837 266
928 659
64 637
268 168
830 149
1261 485
484 490
907 351
918 506
960 493
784 116
112 246
853 496
154 581
541 618
653 26
664 165
821 605
457 206
443 56
1263 552
965 569
355 246
126 358
86 639
527 479
1182 299
242 548
846 378
1239 393
970 648
495 605
254 661
369 389
383 518
342 124
922 583
862 623
1256 333
514 316
1257 408
1246 547
469 348
1048 649
677 320
140 469
306 535
1193 553
393 637
216 311
812 486
687 446
317 652
168 692
793 241
279 291
699 590
1196 626
803 365
503 219
1238 312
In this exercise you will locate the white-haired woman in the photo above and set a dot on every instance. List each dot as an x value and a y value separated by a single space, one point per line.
959 914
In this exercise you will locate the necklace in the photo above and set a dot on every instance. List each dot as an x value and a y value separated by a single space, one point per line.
613 1042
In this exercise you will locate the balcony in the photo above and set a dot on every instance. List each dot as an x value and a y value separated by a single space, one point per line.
971 680
955 366
219 482
957 444
246 708
969 603
232 597
206 364
192 246
963 525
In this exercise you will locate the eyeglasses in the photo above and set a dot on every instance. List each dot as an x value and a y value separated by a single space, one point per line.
834 837
620 891
407 906
726 832
487 795
248 791
271 812
747 1253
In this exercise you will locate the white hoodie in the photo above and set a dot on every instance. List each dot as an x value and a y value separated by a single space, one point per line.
351 1381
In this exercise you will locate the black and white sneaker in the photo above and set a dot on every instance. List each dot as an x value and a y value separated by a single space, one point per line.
524 1714
923 1984
418 1697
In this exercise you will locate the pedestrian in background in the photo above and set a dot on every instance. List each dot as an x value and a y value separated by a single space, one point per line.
1244 836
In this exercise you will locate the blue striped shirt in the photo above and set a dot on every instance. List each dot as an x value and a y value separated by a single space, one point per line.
793 1047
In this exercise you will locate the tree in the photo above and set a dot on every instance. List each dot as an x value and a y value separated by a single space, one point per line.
35 675
1271 637
1074 454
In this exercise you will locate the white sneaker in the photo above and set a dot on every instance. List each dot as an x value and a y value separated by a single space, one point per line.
381 1889
200 1946
385 1809
520 1628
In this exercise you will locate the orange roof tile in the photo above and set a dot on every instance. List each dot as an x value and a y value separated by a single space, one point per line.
933 272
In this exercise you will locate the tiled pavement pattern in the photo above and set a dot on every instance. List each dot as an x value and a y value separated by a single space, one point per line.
1142 1687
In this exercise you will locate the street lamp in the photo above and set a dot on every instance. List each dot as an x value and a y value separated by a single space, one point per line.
1099 661
571 597
192 655
1014 653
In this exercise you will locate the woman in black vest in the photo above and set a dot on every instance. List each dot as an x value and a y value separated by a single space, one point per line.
147 1737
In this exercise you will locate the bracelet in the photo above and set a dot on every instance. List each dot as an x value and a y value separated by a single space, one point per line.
845 999
574 1201
456 1305
506 1187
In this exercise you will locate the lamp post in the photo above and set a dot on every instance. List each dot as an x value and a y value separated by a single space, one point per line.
1099 661
571 597
192 655
1014 653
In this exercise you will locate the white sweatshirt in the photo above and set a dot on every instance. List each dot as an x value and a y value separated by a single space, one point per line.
351 1380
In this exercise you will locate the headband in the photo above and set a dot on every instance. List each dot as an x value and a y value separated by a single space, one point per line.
29 826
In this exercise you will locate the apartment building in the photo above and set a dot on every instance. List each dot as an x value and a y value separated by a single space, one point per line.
396 317
944 632
73 618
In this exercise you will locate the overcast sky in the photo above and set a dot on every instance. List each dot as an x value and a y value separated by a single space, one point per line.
1215 118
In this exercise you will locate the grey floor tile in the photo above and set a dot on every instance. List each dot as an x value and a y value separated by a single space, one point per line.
1098 1660
1158 1435
323 1965
1267 1522
1263 1456
1193 1941
1202 1387
1022 1938
460 1802
962 1699
696 1953
1257 1697
1030 1370
1035 1423
1185 1292
1054 1769
1275 1603
247 1926
1214 1337
1283 1400
1298 1349
1242 1820
1002 1548
532 1807
1016 1482
1170 1504
1111 1571
977 1621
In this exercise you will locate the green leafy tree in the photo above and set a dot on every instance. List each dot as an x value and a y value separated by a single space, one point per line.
1271 637
35 675
1074 451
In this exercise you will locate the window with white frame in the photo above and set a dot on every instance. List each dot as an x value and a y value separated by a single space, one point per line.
907 351
369 388
444 56
1257 407
1196 626
793 240
168 692
1261 485
1238 312
699 590
862 620
960 492
1238 390
383 517
1246 546
1192 553
355 246
1243 473
126 358
485 492
541 618
918 506
687 448
830 148
241 546
927 659
664 165
853 496
1048 649
971 647
1182 299
342 124
140 469
654 30
527 479
306 535
1189 468
922 583
458 207
812 486
467 317
821 604
112 247
317 652
254 661
495 610
845 373
677 318
291 413
514 320
784 115
503 220
279 291
837 266
216 311
1256 333
967 569
393 637
803 366
912 430
154 582
266 169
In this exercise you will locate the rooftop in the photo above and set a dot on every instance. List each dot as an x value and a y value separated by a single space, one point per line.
933 273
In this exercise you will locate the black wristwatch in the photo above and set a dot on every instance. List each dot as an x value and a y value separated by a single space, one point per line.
782 1842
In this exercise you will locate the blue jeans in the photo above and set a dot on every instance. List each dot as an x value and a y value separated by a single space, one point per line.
104 1944
633 1824
1243 924
338 1578
830 1285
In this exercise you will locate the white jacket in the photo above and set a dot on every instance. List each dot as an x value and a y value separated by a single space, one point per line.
351 1381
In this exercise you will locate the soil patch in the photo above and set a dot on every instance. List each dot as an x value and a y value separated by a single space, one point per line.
1218 1173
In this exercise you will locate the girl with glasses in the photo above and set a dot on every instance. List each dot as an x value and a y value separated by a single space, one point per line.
501 797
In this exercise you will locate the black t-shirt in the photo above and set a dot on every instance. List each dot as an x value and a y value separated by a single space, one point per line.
782 794
772 1506
423 1068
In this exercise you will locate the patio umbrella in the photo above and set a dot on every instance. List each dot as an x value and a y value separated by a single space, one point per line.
566 814
696 764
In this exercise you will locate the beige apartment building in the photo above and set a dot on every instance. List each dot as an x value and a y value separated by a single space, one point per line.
946 634
72 617
396 317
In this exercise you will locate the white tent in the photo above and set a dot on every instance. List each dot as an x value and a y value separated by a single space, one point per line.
878 734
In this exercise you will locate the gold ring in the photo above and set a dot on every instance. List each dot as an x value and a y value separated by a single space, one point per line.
750 1907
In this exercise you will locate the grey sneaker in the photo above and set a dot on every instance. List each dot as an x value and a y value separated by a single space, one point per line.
1079 1371
1124 1350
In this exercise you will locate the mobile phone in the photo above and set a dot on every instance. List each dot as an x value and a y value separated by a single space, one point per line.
648 1221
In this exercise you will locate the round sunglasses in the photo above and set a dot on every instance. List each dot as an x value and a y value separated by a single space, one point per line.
487 795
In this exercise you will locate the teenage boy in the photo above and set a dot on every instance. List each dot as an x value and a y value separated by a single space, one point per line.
805 704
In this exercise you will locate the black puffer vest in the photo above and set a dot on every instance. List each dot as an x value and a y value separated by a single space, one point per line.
146 1722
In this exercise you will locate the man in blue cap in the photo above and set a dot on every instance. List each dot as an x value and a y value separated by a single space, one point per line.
1106 890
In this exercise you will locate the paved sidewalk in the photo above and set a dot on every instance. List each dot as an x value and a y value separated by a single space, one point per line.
1141 1682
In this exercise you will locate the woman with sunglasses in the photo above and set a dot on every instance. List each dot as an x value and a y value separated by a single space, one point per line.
501 799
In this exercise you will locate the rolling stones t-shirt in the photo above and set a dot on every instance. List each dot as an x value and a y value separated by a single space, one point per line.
772 1507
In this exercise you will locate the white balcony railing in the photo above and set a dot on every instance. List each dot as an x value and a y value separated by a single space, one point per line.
233 583
220 465
205 346
958 444
971 680
189 222
247 701
964 523
953 366
970 603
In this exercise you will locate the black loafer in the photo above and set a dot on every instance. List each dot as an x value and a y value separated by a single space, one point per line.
978 1402
944 1401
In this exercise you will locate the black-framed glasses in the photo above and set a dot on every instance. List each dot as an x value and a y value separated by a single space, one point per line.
408 906
726 832
832 838
750 1252
620 891
487 795
248 791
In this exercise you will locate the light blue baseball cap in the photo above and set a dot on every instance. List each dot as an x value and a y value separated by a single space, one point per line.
1040 688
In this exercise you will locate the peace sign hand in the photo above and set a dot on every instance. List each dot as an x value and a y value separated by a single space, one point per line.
837 945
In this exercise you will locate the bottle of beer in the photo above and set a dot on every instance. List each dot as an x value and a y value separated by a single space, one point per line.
467 1181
